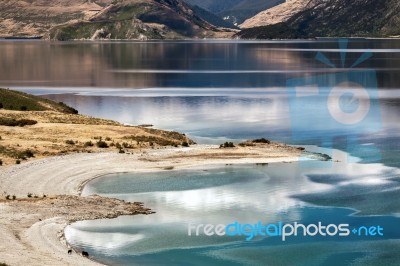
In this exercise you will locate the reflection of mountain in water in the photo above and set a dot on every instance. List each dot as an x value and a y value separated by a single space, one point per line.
226 64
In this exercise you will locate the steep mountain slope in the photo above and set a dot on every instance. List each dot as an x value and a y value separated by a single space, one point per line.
113 19
335 18
276 14
235 11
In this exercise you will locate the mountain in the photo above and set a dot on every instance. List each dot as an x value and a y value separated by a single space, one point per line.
235 11
276 14
335 18
108 19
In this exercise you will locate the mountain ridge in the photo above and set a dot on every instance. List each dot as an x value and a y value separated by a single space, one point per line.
104 19
335 18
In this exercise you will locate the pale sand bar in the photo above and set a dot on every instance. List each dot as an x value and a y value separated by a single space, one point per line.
26 240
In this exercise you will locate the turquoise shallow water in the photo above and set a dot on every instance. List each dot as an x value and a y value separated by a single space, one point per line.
247 194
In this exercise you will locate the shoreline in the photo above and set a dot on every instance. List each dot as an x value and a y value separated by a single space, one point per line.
35 241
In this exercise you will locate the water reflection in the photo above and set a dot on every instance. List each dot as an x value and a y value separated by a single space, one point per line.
146 64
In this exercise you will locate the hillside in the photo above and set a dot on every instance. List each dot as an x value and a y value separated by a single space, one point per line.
19 101
104 19
335 18
276 14
235 11
45 128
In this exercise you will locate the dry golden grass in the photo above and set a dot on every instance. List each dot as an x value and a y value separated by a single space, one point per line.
58 133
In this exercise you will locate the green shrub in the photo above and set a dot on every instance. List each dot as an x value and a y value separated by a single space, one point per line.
1 105
70 142
227 145
23 155
14 123
118 146
262 140
88 144
29 195
121 151
7 197
1 162
18 161
14 197
108 139
102 144
24 108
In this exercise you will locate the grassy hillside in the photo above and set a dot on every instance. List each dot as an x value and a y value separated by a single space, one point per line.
336 18
28 130
19 101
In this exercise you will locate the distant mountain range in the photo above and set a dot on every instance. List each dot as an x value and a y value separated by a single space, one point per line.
334 18
107 19
235 11
181 19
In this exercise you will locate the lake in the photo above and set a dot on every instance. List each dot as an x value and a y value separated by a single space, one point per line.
311 92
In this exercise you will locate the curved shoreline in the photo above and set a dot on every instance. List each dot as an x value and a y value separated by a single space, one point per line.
33 242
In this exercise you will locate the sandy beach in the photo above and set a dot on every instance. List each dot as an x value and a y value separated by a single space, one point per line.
33 235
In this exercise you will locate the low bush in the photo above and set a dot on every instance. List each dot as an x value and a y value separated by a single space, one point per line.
227 145
262 140
102 144
16 123
70 142
18 162
88 144
1 162
185 144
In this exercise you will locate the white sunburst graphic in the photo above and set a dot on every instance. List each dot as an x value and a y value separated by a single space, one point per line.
349 93
342 102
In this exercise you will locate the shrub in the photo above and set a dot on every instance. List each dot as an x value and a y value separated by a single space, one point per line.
108 139
18 161
7 197
1 162
29 195
1 138
24 108
26 154
14 197
262 140
88 144
102 144
227 145
14 123
70 142
1 105
118 146
112 144
127 145
185 144
121 151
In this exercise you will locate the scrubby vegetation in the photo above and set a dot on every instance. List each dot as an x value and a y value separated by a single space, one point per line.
262 140
20 101
10 122
227 145
102 144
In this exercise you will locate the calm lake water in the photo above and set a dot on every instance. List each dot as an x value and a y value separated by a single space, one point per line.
301 92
